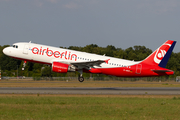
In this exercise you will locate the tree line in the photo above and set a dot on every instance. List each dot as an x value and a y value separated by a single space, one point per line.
12 67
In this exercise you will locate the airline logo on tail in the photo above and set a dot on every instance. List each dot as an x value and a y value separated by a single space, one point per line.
161 52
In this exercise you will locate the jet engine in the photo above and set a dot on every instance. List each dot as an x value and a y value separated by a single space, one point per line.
62 68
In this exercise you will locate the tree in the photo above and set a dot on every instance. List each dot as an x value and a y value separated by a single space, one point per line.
90 48
46 71
110 50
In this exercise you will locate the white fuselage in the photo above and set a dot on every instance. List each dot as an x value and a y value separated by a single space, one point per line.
47 54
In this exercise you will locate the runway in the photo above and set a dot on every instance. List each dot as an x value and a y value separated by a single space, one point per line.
92 90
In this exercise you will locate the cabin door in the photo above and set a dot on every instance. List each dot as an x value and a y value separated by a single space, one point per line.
26 49
138 68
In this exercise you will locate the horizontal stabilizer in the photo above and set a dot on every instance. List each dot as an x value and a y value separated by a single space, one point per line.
162 71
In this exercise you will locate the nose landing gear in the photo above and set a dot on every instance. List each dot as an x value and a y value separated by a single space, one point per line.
24 65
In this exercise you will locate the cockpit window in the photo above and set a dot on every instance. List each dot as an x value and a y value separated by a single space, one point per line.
15 46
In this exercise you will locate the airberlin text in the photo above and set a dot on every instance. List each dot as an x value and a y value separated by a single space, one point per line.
66 54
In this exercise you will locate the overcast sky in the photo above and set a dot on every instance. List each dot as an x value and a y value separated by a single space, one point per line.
121 23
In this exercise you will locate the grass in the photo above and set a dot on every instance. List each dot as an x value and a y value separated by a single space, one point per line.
88 107
80 107
22 83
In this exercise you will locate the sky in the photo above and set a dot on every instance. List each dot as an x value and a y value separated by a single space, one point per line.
121 23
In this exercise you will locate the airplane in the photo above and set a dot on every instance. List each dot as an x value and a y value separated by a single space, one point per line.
66 60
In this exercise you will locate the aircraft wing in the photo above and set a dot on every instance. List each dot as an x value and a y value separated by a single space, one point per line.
88 65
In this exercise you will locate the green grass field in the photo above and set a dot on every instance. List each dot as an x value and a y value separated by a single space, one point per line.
80 107
88 107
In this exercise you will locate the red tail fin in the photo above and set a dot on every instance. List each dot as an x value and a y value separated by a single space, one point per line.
161 55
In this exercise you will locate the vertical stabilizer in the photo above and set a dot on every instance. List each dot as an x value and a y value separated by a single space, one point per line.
161 56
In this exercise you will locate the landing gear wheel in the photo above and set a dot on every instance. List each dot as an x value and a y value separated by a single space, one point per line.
81 79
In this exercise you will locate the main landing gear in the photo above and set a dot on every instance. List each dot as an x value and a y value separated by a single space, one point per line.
80 77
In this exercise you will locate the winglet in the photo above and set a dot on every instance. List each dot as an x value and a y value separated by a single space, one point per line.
106 61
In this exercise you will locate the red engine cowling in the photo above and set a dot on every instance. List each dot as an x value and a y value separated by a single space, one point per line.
60 67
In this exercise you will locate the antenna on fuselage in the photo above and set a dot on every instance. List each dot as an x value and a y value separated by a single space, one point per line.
29 41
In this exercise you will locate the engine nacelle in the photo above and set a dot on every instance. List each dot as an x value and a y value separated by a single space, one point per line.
62 68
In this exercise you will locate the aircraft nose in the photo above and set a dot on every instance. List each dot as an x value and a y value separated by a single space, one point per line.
6 51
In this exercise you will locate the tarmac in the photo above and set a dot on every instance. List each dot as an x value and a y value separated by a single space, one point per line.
92 90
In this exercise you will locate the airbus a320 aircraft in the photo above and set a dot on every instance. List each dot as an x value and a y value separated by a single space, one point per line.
65 60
